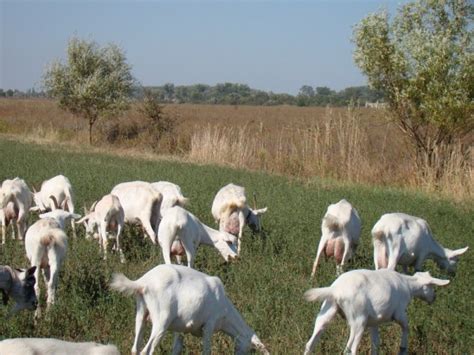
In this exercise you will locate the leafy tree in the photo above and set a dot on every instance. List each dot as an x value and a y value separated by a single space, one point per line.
423 62
168 90
307 91
159 123
324 91
95 82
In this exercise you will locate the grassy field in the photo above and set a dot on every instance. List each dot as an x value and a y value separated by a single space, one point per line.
266 284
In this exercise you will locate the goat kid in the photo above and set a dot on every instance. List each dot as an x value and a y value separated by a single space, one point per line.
106 215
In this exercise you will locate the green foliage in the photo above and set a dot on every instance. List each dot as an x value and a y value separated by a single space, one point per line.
160 124
266 284
241 94
95 81
423 62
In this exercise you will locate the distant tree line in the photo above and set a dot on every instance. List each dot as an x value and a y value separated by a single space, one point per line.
21 94
241 94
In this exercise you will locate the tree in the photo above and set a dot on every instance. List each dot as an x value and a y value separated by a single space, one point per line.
95 82
307 91
423 62
159 123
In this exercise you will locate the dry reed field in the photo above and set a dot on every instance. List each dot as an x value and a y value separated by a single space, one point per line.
345 144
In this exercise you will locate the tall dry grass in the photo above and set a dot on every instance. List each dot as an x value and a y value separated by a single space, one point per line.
348 144
336 146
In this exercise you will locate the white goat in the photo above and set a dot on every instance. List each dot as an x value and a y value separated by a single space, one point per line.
18 284
184 300
231 211
55 193
106 215
15 202
8 216
140 203
367 298
172 195
406 240
50 346
179 224
340 232
46 244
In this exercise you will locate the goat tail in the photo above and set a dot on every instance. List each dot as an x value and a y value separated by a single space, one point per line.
124 285
378 235
331 222
54 237
318 294
182 201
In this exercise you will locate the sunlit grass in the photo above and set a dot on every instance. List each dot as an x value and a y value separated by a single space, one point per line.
266 284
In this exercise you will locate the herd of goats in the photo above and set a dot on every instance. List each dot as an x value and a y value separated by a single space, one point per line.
183 300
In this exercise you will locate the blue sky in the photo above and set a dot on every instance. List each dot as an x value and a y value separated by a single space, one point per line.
269 45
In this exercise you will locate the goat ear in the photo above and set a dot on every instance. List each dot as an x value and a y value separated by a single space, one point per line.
85 218
260 211
93 206
438 282
34 209
458 252
30 271
75 215
426 279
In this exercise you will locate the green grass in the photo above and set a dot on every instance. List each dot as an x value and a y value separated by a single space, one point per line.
266 284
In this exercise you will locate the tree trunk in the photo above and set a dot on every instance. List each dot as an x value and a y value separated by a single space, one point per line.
90 131
91 123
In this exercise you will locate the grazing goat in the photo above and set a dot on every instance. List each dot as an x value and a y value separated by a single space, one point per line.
340 232
55 193
15 202
46 244
184 300
231 211
367 298
19 285
140 203
106 215
179 224
50 346
172 196
406 240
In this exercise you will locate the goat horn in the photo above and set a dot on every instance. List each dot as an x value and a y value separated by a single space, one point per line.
55 202
93 206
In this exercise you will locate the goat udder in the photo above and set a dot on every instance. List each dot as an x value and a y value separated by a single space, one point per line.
232 224
177 248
